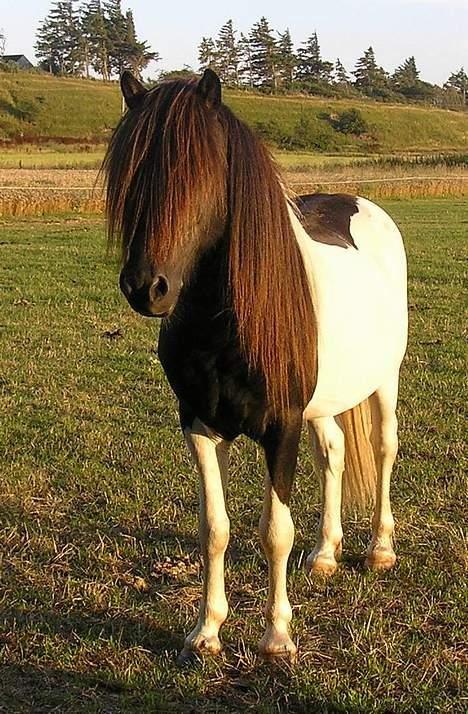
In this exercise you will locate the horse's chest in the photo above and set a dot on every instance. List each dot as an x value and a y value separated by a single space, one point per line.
209 376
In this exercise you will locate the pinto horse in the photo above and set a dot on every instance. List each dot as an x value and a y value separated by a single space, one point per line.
274 310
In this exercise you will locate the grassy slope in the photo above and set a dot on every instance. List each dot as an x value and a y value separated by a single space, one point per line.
97 490
88 109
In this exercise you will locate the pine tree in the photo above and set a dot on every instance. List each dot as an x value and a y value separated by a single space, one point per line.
459 82
370 78
341 75
245 61
311 67
406 76
117 35
94 28
136 55
228 55
287 60
45 50
207 55
264 55
59 44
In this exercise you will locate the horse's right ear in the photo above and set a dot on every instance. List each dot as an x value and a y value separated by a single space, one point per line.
132 90
209 87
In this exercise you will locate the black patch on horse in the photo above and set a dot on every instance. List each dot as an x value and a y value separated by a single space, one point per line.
327 217
200 352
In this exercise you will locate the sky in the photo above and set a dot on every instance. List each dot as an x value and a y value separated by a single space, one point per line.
434 31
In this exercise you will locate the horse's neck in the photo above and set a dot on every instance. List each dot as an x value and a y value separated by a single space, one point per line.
206 293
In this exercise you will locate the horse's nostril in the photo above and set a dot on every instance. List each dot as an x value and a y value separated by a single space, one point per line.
125 285
160 287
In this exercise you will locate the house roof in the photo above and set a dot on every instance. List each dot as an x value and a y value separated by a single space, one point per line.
13 58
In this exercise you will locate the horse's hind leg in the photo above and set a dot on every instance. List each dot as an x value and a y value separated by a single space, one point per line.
210 454
384 437
327 441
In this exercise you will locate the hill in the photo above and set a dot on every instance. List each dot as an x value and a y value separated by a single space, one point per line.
37 108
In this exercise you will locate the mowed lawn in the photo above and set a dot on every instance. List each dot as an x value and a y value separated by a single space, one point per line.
99 564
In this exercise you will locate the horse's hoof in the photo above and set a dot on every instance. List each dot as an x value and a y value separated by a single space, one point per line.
321 565
187 658
276 645
380 560
200 644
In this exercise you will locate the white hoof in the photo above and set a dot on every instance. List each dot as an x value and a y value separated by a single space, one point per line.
380 559
277 644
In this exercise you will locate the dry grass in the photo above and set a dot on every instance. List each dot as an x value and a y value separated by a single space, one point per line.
31 192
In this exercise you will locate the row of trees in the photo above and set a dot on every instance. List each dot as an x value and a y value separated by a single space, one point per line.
92 36
267 60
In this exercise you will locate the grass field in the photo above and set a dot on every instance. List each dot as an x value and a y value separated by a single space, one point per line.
37 107
100 573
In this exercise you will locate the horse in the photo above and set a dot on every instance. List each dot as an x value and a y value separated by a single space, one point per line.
275 310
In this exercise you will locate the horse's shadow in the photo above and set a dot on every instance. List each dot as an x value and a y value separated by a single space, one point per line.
138 631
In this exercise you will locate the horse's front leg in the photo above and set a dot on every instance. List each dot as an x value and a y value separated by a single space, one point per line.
281 445
210 453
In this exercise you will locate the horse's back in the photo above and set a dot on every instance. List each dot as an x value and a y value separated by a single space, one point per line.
355 261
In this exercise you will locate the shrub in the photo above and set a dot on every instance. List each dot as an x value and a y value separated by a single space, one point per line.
307 135
350 121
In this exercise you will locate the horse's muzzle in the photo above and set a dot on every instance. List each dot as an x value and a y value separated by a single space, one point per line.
151 299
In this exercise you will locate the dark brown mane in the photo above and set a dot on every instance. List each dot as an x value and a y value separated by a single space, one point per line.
226 167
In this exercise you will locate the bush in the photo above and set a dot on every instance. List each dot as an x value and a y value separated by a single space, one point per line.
270 132
307 135
350 121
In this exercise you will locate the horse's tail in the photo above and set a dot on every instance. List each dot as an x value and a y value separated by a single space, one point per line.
360 474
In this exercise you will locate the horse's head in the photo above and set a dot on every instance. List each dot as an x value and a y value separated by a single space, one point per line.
166 170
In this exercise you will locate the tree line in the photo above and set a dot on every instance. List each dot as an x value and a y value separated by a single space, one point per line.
81 38
97 37
267 60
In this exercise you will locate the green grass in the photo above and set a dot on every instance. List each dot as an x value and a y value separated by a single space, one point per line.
98 492
51 156
38 106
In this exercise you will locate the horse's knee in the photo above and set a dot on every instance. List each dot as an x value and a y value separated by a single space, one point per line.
216 536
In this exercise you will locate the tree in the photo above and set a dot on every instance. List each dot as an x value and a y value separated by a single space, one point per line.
58 41
136 55
116 28
370 78
94 29
264 55
245 60
405 79
311 67
406 75
207 55
96 37
228 55
459 82
2 43
287 60
340 73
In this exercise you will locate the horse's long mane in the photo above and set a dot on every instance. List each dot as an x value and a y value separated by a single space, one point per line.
168 165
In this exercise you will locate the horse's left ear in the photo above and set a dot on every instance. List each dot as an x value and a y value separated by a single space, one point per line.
209 88
132 90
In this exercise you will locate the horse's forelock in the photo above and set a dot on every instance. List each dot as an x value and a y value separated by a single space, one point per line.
165 168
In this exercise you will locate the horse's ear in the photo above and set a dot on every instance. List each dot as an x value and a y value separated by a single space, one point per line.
209 88
132 90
